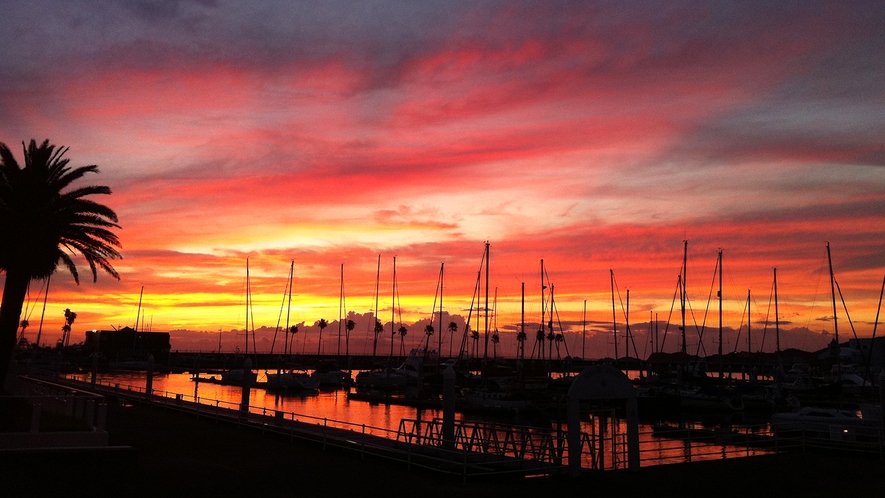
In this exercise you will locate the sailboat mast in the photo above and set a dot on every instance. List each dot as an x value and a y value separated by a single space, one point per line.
833 291
584 332
375 316
248 295
721 366
441 275
138 314
682 292
652 334
485 353
614 315
393 308
340 308
522 323
43 314
289 305
543 314
777 322
627 326
749 324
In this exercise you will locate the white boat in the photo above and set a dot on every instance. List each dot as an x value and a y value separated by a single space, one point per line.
408 374
236 377
332 377
386 378
291 380
708 398
827 424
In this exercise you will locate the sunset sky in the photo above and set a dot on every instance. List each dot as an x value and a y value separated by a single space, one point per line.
596 136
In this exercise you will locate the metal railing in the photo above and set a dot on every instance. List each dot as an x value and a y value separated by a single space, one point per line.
78 421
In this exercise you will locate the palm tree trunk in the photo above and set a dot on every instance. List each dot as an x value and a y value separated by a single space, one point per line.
10 311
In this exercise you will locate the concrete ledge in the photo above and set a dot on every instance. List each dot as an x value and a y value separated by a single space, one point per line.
29 440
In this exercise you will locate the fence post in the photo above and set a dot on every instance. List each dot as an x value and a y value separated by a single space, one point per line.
149 386
102 417
247 385
35 417
448 428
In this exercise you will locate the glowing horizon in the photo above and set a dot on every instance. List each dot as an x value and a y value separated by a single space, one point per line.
596 137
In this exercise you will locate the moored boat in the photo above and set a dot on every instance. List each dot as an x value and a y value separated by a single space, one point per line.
291 380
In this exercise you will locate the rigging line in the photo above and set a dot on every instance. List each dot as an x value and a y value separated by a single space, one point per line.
279 319
707 310
433 308
865 357
767 318
473 298
696 328
672 307
627 330
399 307
875 327
252 320
562 331
737 339
845 308
28 301
288 347
820 275
878 309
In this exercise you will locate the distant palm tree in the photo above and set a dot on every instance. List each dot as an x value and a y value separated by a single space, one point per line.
474 334
495 340
70 316
559 340
453 328
321 324
379 328
539 338
520 339
292 330
42 222
348 327
24 324
428 331
402 339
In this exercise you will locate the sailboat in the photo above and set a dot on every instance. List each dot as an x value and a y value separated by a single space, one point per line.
239 376
328 373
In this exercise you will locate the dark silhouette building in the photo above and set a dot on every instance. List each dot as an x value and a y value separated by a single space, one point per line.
128 345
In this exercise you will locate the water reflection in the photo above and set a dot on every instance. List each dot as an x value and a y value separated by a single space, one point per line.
606 432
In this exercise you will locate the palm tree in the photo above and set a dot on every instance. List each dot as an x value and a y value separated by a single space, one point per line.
292 330
402 339
495 340
474 334
321 324
520 339
539 338
24 324
559 340
378 329
70 316
428 331
453 327
348 327
42 222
